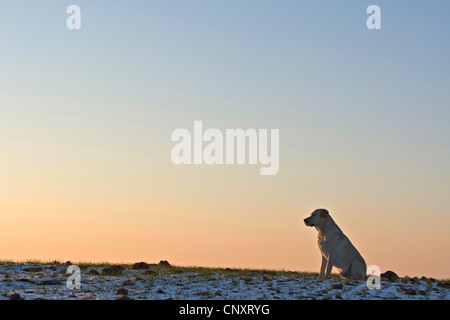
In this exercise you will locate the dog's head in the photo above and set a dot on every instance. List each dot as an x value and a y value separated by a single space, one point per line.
317 218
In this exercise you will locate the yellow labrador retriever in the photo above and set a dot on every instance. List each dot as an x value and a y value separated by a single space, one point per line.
337 250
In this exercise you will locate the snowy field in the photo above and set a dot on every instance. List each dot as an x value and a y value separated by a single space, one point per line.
161 281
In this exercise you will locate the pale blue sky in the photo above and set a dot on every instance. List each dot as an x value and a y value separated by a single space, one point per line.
299 58
298 65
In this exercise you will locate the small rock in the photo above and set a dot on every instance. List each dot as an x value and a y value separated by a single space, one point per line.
33 269
423 278
337 286
122 292
266 278
413 280
202 293
15 296
421 292
124 298
68 263
433 280
140 266
150 273
338 297
128 283
164 263
113 271
38 298
51 282
160 291
389 275
93 272
410 291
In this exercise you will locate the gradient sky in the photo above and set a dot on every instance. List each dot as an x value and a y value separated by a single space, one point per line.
86 118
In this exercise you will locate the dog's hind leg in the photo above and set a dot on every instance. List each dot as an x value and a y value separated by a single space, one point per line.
344 274
357 270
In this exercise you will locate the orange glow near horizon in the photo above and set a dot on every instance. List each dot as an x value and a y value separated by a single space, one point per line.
76 198
211 223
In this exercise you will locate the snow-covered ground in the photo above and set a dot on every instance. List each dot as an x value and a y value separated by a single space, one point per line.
49 281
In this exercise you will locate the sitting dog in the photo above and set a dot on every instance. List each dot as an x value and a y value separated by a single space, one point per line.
337 251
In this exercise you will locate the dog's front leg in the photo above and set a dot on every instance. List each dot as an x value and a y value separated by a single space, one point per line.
329 266
322 267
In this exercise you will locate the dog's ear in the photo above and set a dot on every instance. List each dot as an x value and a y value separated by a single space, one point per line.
323 213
